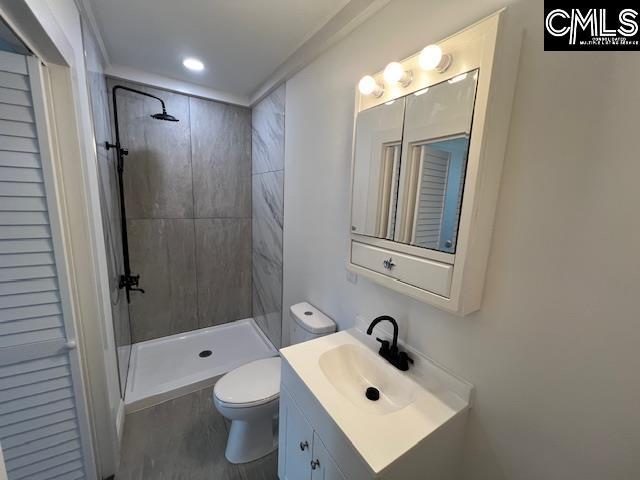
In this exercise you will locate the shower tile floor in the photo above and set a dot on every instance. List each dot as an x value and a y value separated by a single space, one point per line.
184 439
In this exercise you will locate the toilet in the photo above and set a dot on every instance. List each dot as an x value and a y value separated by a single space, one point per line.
249 395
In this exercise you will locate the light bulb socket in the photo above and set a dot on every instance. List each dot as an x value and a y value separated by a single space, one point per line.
445 63
406 79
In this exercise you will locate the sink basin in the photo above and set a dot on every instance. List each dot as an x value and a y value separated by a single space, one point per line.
351 369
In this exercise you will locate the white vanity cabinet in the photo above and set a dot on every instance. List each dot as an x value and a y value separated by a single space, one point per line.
427 161
295 441
324 468
302 455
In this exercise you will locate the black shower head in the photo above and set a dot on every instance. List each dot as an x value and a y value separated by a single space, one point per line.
164 116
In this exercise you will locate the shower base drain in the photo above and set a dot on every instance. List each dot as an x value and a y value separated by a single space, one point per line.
205 353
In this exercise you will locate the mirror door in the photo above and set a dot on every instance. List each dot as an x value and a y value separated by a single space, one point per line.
376 169
437 127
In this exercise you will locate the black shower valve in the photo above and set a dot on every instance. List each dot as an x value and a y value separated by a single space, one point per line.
131 282
123 151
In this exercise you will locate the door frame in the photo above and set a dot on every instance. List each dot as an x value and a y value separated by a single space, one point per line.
47 143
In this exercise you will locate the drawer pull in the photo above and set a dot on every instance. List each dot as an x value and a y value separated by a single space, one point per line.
315 464
304 445
388 264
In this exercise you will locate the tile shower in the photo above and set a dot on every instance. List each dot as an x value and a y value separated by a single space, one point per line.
204 201
267 212
188 197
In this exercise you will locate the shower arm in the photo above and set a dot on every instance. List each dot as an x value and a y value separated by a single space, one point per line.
128 281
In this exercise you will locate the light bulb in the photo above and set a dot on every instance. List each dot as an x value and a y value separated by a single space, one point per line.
431 58
369 86
395 73
193 64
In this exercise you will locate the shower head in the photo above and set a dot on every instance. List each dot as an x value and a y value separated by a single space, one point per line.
164 116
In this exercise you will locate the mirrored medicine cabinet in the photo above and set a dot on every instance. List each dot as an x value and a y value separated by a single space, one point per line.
410 159
427 159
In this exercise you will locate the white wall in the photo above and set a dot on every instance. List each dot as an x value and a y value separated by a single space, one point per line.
552 352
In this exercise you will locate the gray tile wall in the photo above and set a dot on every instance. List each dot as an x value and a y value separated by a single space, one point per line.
188 198
221 157
163 253
267 212
223 268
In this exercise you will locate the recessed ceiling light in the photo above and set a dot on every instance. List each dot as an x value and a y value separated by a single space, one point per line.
193 64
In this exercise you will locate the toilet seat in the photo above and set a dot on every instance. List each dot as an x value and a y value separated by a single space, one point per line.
255 383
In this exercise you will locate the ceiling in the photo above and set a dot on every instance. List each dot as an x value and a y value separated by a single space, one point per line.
241 42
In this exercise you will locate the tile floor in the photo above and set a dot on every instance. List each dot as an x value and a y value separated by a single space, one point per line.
184 439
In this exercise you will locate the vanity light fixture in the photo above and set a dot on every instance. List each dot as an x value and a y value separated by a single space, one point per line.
395 73
369 86
193 64
432 58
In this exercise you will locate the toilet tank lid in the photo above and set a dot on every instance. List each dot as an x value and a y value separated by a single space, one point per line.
311 319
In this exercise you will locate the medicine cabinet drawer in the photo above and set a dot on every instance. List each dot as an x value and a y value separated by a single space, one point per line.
420 272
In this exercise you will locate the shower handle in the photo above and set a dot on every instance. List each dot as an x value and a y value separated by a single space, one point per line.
124 151
131 283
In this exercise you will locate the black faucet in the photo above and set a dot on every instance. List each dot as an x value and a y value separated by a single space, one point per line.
390 353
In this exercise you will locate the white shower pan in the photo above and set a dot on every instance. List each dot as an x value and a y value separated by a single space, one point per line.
168 367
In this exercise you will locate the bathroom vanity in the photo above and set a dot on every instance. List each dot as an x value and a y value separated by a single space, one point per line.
429 141
331 429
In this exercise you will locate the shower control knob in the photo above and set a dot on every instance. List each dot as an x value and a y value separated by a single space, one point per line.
315 464
304 445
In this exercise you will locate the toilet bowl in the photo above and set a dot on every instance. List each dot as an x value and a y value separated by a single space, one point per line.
249 395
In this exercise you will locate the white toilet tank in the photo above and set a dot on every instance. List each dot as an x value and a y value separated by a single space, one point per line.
308 323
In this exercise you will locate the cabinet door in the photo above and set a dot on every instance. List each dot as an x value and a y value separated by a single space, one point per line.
323 466
296 441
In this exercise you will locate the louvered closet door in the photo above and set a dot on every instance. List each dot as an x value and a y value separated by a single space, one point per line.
43 425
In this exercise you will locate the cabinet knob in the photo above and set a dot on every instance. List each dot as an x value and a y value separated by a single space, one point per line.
315 464
304 445
388 264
